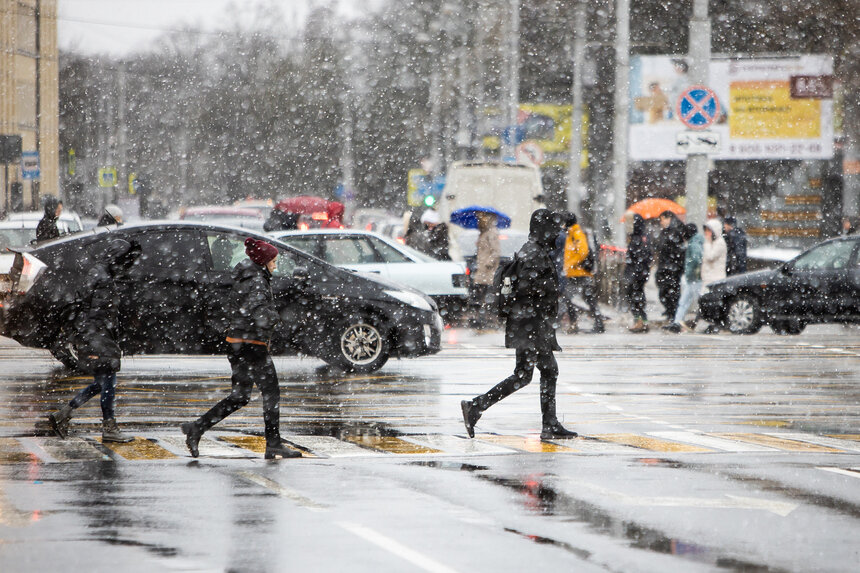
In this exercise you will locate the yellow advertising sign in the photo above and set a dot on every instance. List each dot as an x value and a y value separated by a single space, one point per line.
765 110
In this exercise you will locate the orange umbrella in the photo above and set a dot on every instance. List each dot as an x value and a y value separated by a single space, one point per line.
651 208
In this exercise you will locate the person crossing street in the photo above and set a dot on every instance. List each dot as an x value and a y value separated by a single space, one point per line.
530 329
253 322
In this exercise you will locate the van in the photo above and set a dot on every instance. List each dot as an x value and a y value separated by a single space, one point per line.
515 190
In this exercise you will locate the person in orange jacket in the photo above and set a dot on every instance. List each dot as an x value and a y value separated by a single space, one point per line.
577 278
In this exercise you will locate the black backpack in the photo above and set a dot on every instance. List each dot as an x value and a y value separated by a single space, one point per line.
505 285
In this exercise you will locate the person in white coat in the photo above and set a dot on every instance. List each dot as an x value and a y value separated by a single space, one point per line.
713 258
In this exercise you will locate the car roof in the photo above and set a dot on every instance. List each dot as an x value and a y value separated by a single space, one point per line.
37 216
221 210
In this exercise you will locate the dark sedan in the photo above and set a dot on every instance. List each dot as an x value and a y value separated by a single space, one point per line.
175 297
820 285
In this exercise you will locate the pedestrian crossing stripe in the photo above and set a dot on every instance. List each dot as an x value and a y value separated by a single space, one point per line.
139 449
239 446
392 445
257 444
777 442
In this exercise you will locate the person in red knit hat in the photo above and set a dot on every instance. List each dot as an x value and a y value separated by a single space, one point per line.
253 321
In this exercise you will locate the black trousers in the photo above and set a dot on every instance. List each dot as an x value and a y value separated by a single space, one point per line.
251 365
635 291
527 359
669 289
588 287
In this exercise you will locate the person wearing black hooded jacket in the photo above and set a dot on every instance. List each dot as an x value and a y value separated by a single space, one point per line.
670 262
637 269
530 328
253 321
96 332
47 227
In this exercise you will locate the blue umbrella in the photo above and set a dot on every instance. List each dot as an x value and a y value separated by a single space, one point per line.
467 217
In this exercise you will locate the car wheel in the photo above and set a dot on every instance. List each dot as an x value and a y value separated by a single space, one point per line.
743 315
358 344
790 326
64 350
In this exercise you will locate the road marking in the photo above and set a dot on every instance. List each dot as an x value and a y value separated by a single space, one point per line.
819 440
531 444
11 452
850 472
208 448
139 449
458 445
327 446
852 437
391 445
282 491
712 442
257 444
418 559
71 449
647 443
775 442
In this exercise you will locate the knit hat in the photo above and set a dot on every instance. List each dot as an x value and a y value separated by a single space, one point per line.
431 217
260 252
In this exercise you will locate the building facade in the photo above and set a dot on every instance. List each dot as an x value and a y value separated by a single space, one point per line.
29 100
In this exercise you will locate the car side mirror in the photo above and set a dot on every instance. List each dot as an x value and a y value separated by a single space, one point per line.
785 269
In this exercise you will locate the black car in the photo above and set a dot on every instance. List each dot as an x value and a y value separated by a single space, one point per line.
820 285
174 299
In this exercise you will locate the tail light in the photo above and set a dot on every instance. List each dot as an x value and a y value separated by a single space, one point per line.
319 216
25 271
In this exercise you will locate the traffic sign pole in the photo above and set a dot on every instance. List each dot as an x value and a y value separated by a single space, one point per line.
699 57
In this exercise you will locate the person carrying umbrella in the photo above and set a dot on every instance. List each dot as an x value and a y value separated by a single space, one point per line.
487 258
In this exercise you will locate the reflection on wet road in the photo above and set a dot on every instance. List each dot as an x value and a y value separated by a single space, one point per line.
736 453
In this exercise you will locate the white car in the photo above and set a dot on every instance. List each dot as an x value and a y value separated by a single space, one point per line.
366 252
19 229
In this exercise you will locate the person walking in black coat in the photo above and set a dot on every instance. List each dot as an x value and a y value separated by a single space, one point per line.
96 324
252 324
47 227
530 328
736 247
670 263
637 269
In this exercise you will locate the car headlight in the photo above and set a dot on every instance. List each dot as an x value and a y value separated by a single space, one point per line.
410 298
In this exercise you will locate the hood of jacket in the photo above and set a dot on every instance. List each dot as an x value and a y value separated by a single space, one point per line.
716 227
118 255
51 204
544 227
638 225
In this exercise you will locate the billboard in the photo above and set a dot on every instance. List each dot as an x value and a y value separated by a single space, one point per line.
763 113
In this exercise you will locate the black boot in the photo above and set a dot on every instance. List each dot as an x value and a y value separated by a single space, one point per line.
60 421
556 431
192 437
279 449
471 415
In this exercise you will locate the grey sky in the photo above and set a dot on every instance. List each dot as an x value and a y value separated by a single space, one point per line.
118 27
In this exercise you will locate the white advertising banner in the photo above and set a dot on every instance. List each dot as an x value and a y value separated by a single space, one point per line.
760 118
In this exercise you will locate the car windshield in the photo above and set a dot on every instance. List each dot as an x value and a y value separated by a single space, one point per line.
829 256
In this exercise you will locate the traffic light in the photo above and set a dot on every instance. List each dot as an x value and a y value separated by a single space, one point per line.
429 200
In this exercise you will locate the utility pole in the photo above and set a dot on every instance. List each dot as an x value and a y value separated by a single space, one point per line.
574 176
513 80
699 56
618 203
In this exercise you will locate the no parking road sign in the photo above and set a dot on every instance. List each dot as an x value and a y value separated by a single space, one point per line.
698 107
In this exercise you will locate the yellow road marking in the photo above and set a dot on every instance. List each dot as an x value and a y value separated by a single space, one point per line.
139 449
779 443
647 443
852 437
11 452
257 444
531 444
391 445
769 423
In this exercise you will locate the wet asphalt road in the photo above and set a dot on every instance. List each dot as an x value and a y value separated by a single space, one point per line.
699 453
